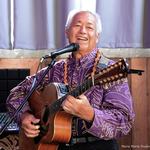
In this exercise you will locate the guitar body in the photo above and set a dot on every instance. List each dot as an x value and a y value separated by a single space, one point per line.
47 146
59 123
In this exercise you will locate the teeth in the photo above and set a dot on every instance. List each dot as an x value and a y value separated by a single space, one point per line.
85 39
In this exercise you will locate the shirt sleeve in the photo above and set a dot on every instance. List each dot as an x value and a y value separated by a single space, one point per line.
115 116
17 96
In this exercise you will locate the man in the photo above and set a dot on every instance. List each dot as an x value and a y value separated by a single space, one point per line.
101 115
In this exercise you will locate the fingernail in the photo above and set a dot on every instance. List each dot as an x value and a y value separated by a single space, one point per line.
37 127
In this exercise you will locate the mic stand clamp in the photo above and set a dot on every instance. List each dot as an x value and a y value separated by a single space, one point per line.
135 71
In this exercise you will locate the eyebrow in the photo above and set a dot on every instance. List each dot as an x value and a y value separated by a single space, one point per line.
89 23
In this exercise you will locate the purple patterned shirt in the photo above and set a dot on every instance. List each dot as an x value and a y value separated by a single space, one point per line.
113 106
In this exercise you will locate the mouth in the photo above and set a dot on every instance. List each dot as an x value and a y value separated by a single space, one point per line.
82 39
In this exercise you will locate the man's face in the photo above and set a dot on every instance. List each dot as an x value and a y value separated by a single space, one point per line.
83 31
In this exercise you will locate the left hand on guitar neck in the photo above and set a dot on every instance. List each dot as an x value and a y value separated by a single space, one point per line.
79 107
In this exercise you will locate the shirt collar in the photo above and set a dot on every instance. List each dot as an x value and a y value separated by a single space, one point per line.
83 61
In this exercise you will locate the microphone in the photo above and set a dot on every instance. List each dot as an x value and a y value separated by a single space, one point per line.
70 48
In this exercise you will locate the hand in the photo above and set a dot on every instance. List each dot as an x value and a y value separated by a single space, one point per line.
79 107
28 125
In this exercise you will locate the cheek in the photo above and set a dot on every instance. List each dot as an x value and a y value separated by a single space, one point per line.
94 38
72 36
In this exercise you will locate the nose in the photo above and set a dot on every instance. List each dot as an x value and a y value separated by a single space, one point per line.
83 29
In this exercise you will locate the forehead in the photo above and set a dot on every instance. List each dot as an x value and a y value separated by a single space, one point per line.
86 17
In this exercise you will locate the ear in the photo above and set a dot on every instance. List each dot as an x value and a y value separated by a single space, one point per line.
67 33
97 37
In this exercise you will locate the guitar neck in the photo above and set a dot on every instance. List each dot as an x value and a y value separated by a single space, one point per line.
112 73
87 84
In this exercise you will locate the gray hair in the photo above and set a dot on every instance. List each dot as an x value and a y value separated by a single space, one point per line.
72 13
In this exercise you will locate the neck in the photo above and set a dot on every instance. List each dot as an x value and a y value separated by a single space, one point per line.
80 54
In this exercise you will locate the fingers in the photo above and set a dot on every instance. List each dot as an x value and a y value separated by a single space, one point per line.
73 105
31 131
82 97
30 125
79 107
69 101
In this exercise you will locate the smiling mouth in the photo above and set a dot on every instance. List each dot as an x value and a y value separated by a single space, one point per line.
82 39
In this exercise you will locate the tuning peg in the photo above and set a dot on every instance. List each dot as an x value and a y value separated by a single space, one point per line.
118 81
120 75
116 65
108 79
116 76
124 79
111 67
101 82
112 78
104 71
119 63
106 86
105 80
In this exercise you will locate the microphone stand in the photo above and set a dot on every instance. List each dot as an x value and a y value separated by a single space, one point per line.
9 120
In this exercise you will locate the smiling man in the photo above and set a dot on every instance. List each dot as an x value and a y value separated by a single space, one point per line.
100 115
83 30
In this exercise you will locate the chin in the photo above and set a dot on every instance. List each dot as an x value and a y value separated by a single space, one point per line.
83 47
86 49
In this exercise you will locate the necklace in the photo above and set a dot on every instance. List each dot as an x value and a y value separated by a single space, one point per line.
97 58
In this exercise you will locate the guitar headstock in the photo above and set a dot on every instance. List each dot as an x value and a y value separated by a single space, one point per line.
114 72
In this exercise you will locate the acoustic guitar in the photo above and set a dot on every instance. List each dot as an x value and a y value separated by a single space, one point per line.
55 123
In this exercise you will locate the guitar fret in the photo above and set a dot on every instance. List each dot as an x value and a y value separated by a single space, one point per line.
83 87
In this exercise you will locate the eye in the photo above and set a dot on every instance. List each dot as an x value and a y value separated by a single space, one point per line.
77 25
90 28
